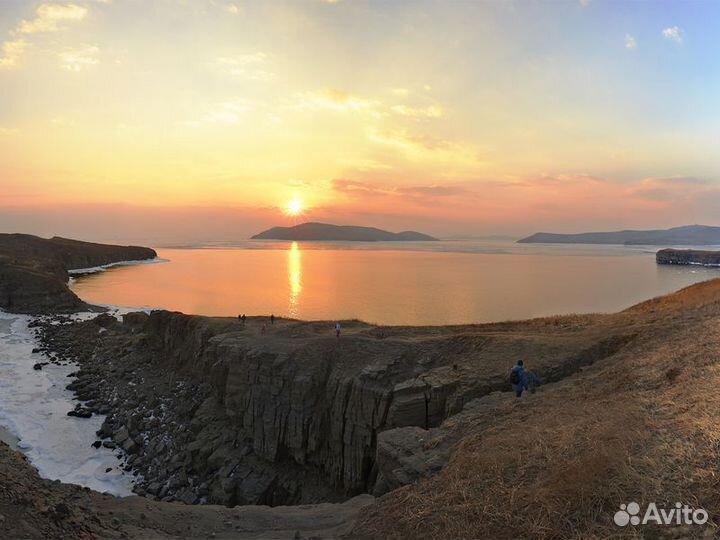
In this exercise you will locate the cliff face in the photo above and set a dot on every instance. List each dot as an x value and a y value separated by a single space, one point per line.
688 256
34 271
292 414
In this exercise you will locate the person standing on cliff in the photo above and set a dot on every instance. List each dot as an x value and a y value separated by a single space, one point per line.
518 378
337 330
272 319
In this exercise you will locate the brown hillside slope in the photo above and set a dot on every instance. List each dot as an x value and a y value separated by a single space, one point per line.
642 425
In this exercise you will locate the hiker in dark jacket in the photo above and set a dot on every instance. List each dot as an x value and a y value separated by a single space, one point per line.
518 379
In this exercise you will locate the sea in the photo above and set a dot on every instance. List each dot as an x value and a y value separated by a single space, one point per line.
391 283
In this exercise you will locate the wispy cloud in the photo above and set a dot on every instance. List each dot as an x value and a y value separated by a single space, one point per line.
227 112
418 112
11 52
80 58
630 42
420 192
49 18
336 100
249 66
673 34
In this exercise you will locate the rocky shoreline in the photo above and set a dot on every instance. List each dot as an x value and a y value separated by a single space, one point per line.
34 271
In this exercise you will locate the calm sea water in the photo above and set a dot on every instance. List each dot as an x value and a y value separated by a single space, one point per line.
392 283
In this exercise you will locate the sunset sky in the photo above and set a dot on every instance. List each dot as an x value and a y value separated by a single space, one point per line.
170 120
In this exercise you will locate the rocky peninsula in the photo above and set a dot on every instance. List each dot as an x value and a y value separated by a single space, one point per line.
34 271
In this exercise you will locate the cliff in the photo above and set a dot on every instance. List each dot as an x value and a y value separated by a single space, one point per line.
326 232
687 235
688 256
294 415
34 271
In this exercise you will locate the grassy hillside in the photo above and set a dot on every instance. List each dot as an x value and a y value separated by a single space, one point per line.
642 425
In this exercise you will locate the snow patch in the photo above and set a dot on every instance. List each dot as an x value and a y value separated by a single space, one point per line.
34 406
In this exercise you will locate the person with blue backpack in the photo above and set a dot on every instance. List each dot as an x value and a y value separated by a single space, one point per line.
518 378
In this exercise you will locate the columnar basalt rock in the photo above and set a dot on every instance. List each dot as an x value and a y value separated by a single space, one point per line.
210 410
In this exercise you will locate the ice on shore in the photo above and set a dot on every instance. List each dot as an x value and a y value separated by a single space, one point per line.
34 406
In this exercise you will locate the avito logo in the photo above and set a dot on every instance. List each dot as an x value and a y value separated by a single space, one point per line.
680 514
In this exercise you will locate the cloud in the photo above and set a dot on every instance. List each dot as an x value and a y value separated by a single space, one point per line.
11 52
408 140
48 18
232 8
245 66
420 194
79 59
418 112
335 100
673 34
630 42
228 112
675 188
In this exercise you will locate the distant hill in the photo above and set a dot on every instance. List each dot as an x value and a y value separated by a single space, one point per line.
325 231
688 235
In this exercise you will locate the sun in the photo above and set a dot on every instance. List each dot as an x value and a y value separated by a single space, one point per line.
294 207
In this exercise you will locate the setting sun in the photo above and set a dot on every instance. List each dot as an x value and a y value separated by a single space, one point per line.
294 207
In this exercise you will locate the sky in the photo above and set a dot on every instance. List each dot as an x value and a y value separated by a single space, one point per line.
189 120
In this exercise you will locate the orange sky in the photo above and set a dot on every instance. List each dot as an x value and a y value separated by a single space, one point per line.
170 119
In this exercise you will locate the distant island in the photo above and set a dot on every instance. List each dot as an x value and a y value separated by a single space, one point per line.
348 233
689 235
688 256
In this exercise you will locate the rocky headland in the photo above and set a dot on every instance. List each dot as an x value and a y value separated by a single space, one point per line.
688 256
34 271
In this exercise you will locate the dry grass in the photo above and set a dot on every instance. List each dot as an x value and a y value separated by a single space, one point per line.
641 426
